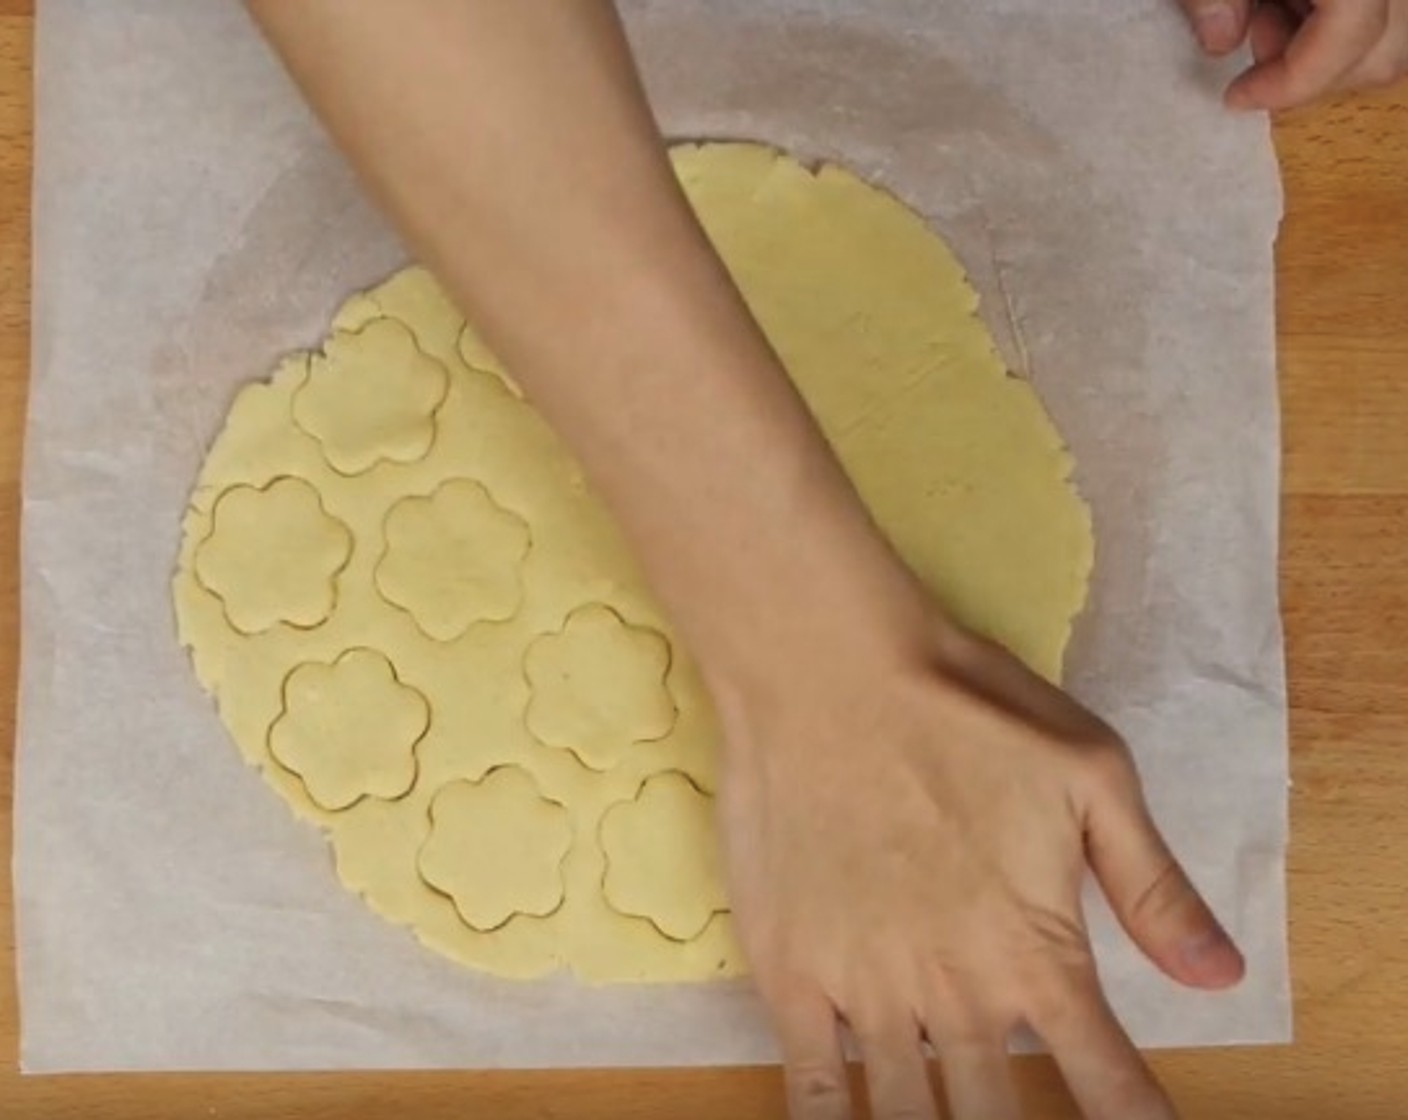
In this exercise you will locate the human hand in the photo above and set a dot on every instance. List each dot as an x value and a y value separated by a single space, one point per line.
906 828
1303 49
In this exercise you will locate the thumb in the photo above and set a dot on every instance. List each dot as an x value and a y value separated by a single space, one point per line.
1151 894
1220 25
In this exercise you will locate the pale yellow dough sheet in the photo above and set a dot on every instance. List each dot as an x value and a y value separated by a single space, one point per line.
423 628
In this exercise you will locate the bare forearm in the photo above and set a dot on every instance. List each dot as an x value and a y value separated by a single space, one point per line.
514 146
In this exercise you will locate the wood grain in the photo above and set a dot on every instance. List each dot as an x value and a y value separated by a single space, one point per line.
1343 272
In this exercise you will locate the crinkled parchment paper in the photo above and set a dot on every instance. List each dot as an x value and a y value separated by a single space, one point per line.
191 224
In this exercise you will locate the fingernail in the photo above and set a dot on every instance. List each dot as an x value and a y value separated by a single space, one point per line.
1213 958
1216 27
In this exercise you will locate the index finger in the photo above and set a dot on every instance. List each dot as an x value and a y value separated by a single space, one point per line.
1104 1071
1331 42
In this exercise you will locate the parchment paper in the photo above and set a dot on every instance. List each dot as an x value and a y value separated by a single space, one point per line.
191 224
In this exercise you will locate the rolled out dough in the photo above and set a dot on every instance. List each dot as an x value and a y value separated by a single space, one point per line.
424 629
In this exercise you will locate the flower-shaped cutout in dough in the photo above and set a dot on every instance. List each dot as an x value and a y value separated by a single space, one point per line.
496 848
350 729
371 397
273 556
598 686
477 356
453 559
662 859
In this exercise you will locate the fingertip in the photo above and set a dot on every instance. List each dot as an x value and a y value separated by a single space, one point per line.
1159 906
1301 60
1218 33
1211 961
1239 99
1239 96
1219 25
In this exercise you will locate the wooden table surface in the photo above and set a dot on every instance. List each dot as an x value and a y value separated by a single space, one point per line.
1343 277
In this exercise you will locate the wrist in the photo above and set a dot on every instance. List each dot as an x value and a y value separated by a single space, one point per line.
818 602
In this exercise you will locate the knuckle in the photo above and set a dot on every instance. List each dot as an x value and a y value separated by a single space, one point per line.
1166 894
966 1009
1386 70
1107 768
816 1089
1373 21
1131 1091
975 1033
1047 997
783 971
1300 87
1047 984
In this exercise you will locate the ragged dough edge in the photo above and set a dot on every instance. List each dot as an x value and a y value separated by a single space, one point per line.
604 946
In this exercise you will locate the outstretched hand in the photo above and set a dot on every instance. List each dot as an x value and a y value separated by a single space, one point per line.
1304 50
907 826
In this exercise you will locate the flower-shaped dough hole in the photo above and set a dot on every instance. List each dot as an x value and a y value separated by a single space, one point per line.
477 356
349 730
453 558
598 686
496 848
273 556
662 859
371 397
